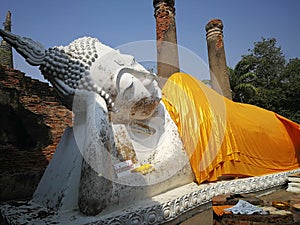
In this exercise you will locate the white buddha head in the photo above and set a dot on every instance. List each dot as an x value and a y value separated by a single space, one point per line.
128 88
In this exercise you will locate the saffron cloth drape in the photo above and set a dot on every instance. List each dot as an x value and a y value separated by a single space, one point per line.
225 138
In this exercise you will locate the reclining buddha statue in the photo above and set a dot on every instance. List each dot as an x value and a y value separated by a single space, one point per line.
138 140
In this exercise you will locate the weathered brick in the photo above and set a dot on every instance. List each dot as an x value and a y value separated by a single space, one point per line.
37 100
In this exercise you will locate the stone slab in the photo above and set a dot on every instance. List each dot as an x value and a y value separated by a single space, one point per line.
233 199
294 179
175 205
293 189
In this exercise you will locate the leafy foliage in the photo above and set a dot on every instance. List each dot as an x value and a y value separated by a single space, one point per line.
241 82
264 78
290 83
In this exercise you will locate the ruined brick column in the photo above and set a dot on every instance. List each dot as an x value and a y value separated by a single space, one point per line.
6 56
217 59
167 50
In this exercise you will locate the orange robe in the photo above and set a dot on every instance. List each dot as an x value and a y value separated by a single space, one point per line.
223 137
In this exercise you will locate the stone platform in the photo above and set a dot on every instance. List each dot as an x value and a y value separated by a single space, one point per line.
281 215
172 207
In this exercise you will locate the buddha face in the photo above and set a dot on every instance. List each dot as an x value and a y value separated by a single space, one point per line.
138 96
133 89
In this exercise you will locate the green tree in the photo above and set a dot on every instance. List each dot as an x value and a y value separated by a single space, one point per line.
290 82
277 81
267 61
241 82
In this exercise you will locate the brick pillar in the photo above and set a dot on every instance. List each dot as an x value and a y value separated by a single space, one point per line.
6 56
167 50
217 59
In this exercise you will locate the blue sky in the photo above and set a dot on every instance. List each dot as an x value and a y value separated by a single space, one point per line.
118 22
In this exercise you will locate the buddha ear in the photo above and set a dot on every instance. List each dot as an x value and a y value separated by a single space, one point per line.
125 83
144 76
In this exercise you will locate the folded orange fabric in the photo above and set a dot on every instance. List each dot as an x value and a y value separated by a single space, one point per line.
219 209
223 137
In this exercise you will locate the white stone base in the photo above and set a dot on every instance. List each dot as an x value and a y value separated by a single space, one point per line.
164 208
293 189
294 179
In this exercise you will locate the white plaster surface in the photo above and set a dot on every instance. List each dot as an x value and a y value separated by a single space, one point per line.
293 189
58 188
99 182
163 149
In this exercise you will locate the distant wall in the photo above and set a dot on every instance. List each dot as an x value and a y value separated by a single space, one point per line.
32 121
